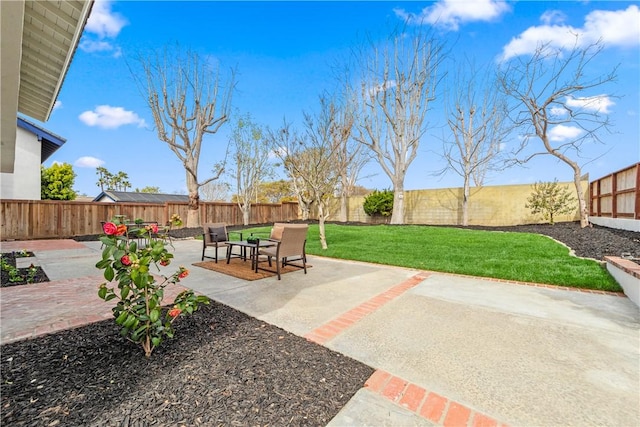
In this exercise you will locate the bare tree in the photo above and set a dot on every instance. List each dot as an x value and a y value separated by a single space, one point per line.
475 113
556 102
250 156
188 100
310 160
215 191
397 85
279 142
337 116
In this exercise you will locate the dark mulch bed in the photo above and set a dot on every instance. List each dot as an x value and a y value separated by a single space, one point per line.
591 242
223 368
26 277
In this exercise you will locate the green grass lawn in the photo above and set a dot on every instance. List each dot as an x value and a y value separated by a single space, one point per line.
513 256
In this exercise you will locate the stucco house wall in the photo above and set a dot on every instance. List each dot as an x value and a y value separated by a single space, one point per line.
24 182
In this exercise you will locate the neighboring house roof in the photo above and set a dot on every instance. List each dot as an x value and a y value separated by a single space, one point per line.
50 142
39 39
126 196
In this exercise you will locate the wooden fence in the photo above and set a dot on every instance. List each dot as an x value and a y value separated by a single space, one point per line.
617 195
52 219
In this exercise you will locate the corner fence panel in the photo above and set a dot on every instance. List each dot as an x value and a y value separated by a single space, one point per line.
617 195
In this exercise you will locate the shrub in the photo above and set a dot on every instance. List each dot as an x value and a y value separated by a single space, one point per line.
549 199
379 203
139 310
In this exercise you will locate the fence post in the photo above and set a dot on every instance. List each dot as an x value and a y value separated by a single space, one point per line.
637 215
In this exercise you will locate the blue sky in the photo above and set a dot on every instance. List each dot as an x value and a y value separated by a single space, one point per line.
284 52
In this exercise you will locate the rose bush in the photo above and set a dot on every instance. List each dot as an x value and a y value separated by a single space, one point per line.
139 295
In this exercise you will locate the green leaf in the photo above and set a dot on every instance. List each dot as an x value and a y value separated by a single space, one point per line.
154 315
106 252
156 341
101 264
108 273
121 318
124 292
110 297
141 329
131 319
102 292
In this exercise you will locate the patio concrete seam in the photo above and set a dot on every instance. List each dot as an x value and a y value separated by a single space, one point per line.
329 330
425 403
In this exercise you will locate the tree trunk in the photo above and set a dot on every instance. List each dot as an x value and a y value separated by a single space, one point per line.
577 174
304 210
193 214
321 218
344 210
465 202
246 210
397 216
582 204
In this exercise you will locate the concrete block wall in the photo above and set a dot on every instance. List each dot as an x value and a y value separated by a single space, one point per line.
491 206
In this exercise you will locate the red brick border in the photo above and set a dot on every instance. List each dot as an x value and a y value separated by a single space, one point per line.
427 404
424 403
329 330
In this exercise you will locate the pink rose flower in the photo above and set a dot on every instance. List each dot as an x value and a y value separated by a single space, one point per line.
183 274
164 262
175 312
109 228
125 260
121 229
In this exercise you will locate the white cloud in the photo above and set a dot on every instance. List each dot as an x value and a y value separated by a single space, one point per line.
95 46
103 22
618 28
88 162
108 117
382 87
102 25
615 28
449 14
57 105
558 111
92 46
553 17
599 103
563 133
